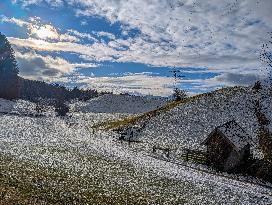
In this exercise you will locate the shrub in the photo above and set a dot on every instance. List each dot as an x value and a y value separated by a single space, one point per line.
61 108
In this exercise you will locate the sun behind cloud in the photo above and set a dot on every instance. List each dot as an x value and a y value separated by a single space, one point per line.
44 32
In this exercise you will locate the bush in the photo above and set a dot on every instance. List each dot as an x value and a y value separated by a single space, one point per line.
61 108
257 86
42 105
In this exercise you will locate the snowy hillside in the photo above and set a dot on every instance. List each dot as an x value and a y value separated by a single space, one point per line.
19 107
23 108
111 103
187 125
96 168
62 159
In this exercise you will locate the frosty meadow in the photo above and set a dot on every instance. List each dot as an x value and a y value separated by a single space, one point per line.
135 102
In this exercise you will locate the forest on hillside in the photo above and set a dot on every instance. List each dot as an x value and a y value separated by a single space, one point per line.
12 86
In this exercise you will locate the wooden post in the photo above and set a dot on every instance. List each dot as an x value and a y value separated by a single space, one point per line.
154 149
167 153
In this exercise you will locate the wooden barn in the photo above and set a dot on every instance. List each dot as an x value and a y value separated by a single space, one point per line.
228 147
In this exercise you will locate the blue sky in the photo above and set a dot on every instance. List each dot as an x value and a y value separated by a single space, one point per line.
131 46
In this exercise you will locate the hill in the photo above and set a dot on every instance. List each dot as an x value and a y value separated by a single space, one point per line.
111 103
188 124
19 107
53 160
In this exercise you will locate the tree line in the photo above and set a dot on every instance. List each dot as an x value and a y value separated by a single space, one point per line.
12 86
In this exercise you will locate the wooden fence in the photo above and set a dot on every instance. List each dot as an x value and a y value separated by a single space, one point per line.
194 155
187 154
165 151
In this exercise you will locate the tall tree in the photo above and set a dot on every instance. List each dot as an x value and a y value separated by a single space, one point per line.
266 57
8 70
179 94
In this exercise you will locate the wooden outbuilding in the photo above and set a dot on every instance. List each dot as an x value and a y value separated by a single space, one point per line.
228 147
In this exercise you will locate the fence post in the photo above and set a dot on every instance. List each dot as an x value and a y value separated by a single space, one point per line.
187 155
167 153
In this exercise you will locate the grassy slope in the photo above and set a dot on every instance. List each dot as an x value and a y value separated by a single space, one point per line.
24 182
119 124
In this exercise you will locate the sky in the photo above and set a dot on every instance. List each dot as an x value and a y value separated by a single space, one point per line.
133 45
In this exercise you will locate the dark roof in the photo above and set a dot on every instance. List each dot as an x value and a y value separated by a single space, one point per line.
234 133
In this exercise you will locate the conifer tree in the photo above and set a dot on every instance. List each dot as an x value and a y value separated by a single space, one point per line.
8 70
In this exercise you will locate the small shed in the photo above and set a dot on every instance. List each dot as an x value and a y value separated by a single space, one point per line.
228 147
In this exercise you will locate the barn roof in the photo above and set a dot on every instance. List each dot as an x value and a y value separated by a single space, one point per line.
234 133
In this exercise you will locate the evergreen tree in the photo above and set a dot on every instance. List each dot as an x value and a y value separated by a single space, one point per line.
8 70
257 86
60 106
179 94
266 58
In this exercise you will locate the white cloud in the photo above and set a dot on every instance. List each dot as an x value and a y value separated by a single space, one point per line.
18 22
83 23
85 65
41 31
26 3
232 79
137 84
82 35
55 3
44 32
96 51
38 67
205 33
218 36
225 37
48 68
107 34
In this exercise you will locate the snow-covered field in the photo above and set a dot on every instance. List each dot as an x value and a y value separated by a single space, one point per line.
101 170
111 103
186 126
21 106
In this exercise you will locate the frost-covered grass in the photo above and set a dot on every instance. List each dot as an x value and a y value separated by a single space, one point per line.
19 106
134 119
188 124
105 183
51 160
112 103
48 161
167 106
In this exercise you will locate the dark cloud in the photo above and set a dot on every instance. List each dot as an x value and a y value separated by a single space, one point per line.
36 67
